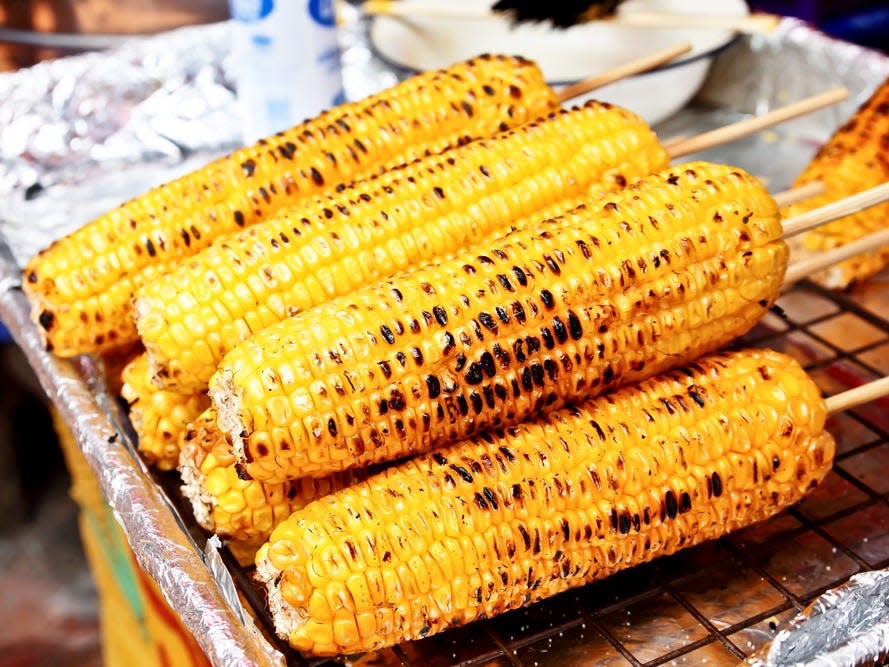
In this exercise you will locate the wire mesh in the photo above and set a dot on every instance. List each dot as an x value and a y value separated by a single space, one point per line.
718 602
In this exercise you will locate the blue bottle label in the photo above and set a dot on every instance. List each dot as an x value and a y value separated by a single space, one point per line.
322 12
250 11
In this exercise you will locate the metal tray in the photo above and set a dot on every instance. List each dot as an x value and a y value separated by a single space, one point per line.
718 602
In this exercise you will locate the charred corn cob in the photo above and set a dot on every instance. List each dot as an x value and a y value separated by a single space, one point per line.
613 292
373 229
158 417
509 518
81 286
227 502
854 159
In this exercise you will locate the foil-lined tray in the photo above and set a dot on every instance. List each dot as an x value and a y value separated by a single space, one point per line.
79 135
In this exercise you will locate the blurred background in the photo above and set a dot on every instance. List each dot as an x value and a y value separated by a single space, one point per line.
49 612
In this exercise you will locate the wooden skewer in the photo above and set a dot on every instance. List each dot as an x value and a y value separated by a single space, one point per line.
838 209
754 24
806 267
798 194
628 69
748 126
858 396
757 23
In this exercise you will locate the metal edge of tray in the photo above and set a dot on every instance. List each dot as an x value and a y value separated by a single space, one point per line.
161 546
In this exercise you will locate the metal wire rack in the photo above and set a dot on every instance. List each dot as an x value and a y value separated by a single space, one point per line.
720 601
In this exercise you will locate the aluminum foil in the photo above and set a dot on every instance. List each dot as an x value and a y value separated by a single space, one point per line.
81 134
848 625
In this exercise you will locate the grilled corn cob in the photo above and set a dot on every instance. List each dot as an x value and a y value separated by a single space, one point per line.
855 158
227 502
158 417
612 292
81 286
505 519
373 229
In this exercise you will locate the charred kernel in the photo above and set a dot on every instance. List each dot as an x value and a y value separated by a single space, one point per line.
480 501
476 401
487 321
440 315
519 274
331 427
552 264
239 218
491 498
248 167
417 356
666 403
624 523
473 374
384 406
574 325
462 405
449 343
487 362
537 374
716 483
696 397
488 393
386 332
516 390
672 506
384 366
504 282
551 368
460 362
547 298
533 344
46 320
501 392
517 350
438 192
317 177
527 380
396 400
559 329
518 312
401 358
439 459
149 246
684 503
433 386
547 337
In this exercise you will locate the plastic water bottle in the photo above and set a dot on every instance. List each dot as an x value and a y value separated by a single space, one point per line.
287 61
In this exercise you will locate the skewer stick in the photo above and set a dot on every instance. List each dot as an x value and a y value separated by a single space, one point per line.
628 69
808 266
798 194
838 209
750 125
858 396
754 24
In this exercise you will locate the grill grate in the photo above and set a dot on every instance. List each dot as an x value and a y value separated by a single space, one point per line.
720 601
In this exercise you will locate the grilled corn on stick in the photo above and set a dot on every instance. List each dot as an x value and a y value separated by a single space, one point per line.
378 227
158 417
855 158
610 293
229 503
81 286
505 519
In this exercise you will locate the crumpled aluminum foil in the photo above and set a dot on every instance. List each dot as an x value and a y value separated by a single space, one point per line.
848 625
79 135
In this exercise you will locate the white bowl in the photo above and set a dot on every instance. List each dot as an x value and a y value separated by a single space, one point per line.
566 56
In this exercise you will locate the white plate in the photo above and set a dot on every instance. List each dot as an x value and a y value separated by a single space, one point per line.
567 55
